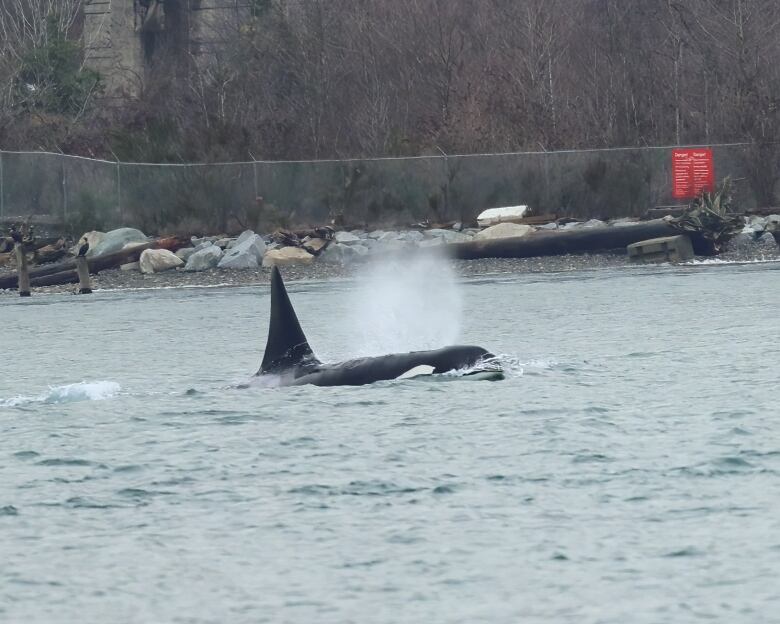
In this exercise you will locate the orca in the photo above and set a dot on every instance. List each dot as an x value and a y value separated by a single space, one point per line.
291 361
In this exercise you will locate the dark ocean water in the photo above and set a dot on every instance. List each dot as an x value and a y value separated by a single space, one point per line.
627 470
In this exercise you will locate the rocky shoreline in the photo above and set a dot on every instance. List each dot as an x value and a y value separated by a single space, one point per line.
328 255
116 279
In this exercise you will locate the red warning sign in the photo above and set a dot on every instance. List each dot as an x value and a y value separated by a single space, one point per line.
692 172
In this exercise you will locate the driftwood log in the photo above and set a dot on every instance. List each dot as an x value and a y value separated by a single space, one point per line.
65 272
577 241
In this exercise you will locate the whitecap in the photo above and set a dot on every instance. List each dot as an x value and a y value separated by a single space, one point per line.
70 393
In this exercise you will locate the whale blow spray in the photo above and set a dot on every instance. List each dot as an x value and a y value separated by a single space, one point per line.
405 305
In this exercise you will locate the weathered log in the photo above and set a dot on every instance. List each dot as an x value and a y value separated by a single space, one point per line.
96 264
576 241
56 279
50 254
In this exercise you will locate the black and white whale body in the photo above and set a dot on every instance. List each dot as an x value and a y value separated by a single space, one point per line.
289 357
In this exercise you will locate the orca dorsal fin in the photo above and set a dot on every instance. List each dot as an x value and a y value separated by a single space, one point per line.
287 346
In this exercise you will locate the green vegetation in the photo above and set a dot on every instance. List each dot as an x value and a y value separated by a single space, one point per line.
712 216
52 77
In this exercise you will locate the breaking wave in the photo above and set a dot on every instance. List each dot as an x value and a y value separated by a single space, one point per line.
70 393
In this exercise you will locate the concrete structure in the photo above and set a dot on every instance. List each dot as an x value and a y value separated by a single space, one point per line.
666 249
130 41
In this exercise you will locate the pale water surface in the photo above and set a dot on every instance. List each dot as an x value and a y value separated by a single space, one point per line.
627 470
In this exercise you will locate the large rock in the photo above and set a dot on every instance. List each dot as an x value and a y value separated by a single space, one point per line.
772 223
245 236
159 260
185 252
448 236
94 238
752 243
246 255
391 244
116 240
492 216
204 239
412 236
504 230
339 253
287 256
204 259
346 237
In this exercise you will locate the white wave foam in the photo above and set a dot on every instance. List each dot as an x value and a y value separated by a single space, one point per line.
70 393
720 261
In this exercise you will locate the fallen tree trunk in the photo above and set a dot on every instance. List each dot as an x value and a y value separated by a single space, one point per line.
55 279
577 241
96 264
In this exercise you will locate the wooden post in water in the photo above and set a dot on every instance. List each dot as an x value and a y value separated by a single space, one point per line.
82 267
23 271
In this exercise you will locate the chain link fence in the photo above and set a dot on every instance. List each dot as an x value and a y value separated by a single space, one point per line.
83 194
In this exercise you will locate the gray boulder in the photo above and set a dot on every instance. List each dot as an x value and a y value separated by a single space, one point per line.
246 255
204 259
339 253
115 240
346 237
448 236
752 243
196 241
245 236
412 236
185 252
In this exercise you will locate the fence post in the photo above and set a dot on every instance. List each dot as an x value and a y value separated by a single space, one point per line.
547 191
254 172
64 190
446 181
119 192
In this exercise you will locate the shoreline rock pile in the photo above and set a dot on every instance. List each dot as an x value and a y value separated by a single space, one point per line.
283 248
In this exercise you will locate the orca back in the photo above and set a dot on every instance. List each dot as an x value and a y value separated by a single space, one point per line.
287 346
